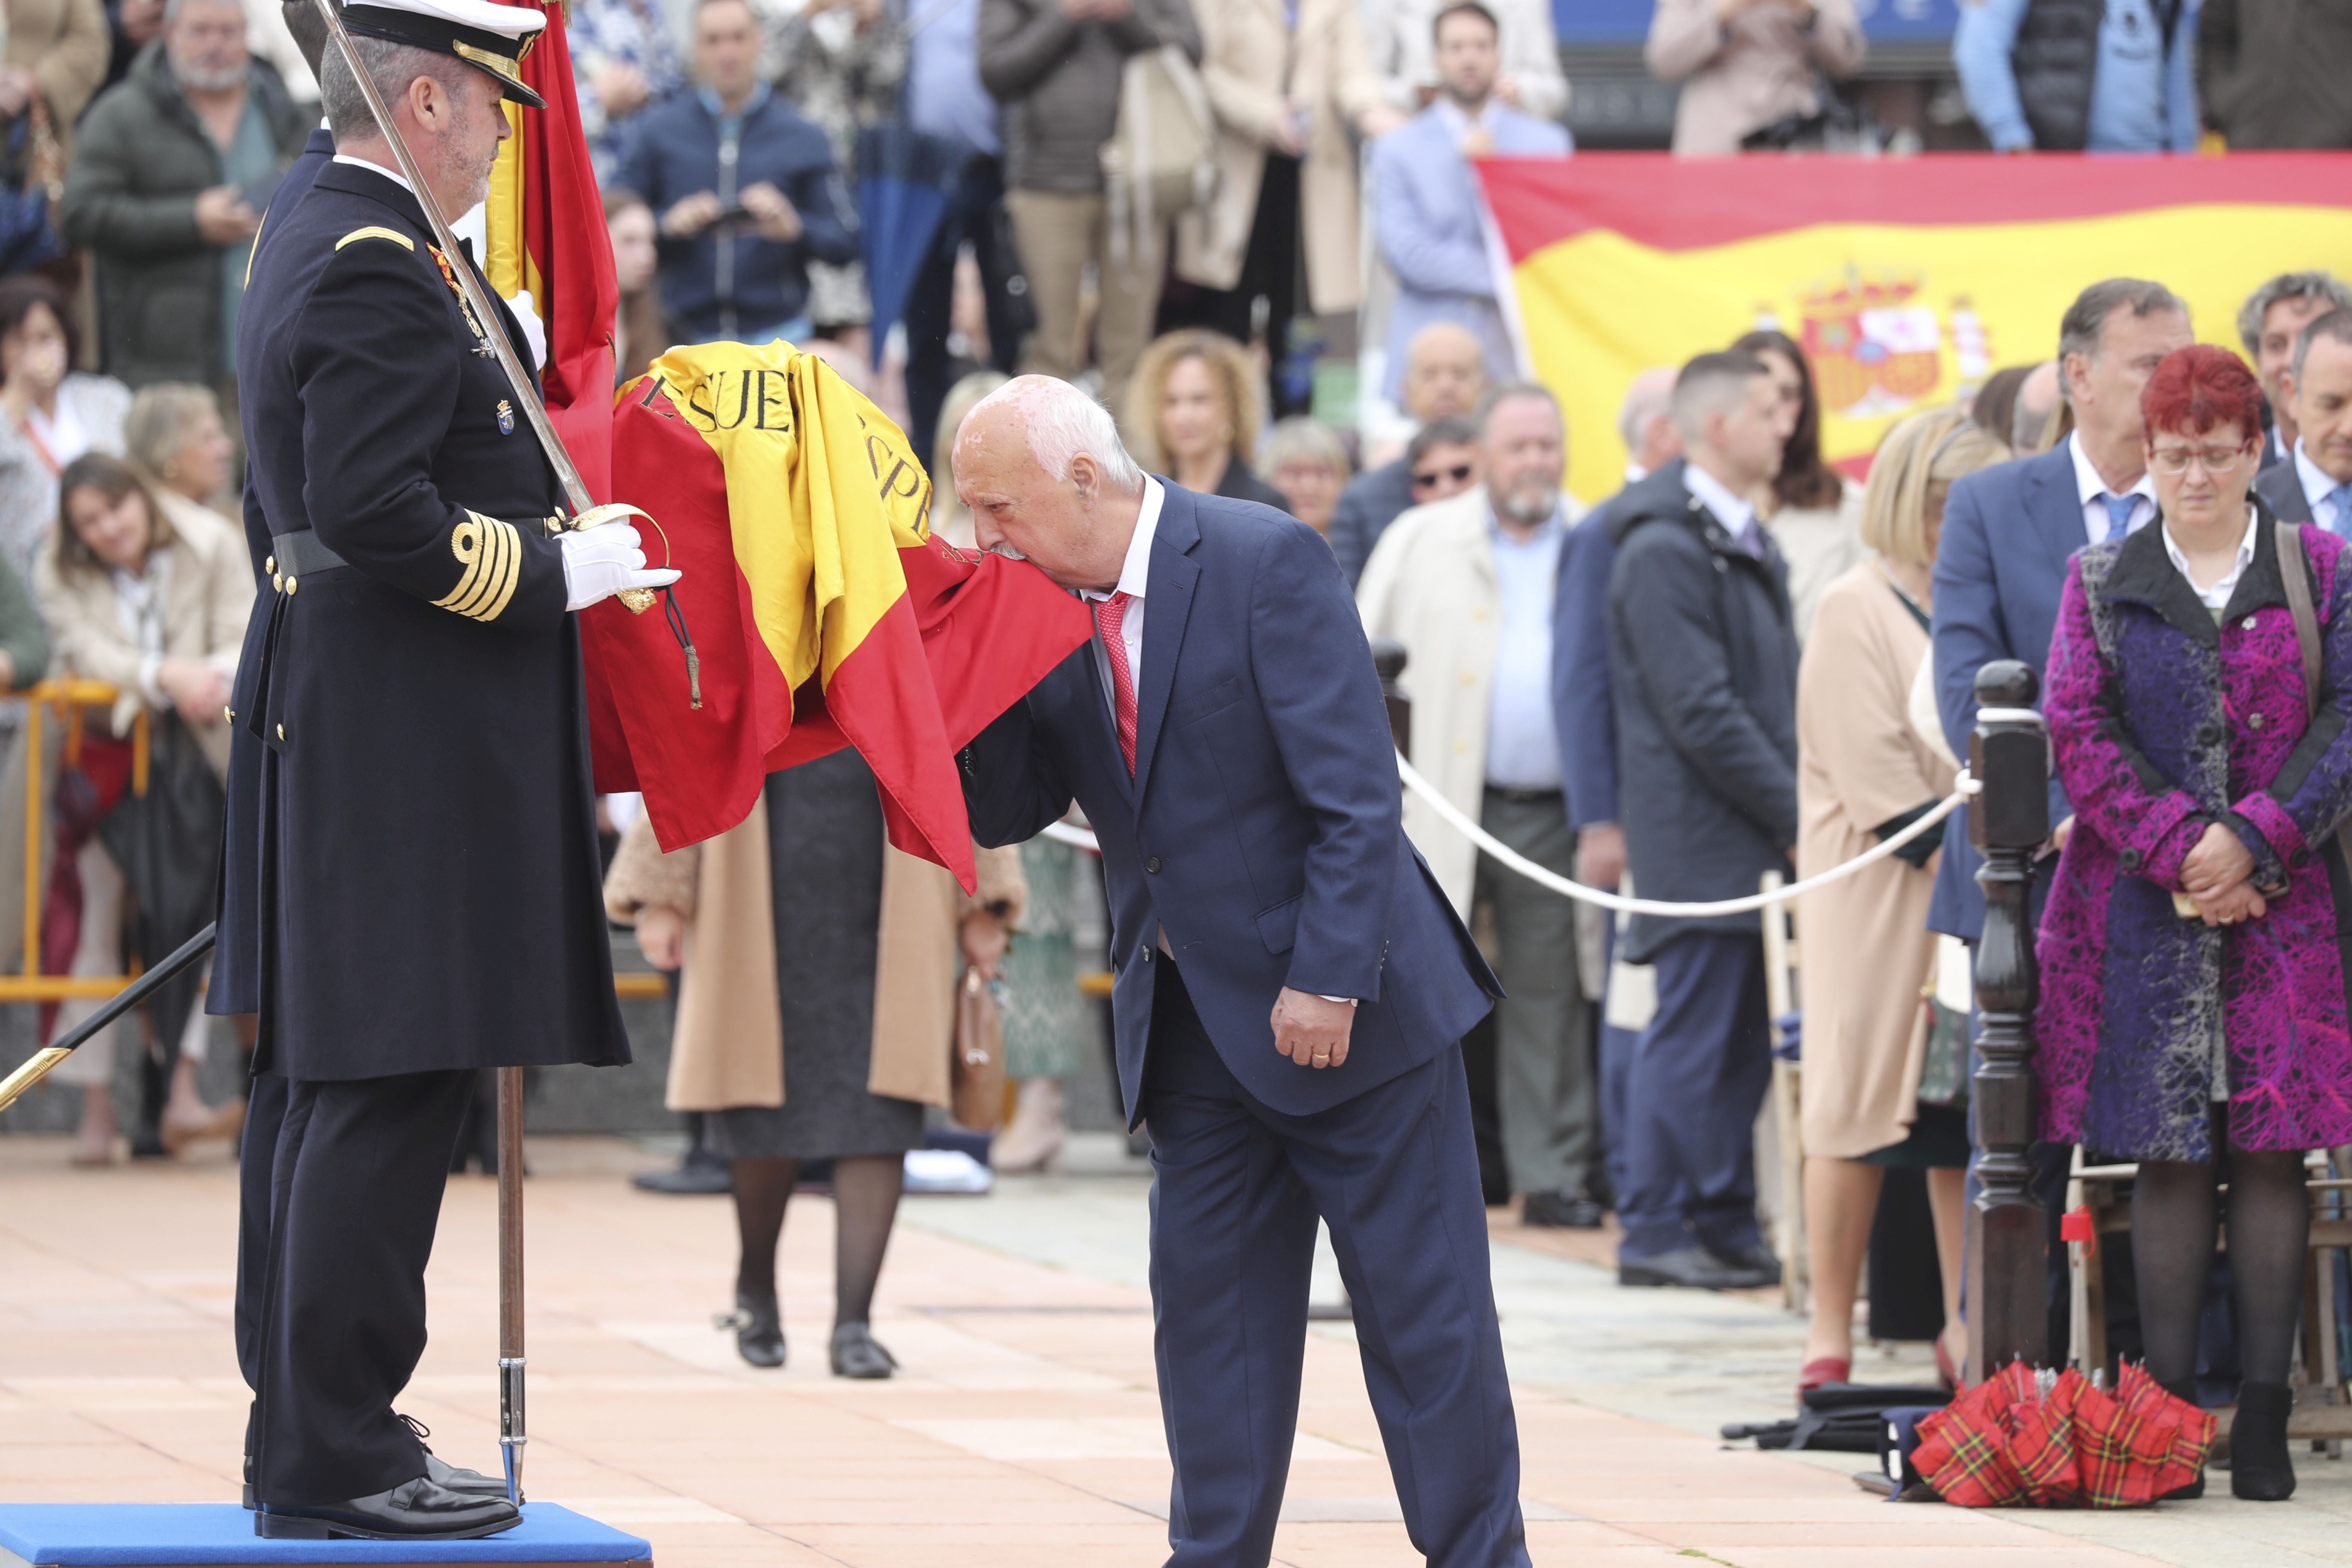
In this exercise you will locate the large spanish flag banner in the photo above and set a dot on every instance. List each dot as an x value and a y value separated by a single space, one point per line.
544 233
1907 279
822 612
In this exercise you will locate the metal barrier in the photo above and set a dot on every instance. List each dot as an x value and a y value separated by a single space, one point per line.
67 701
70 700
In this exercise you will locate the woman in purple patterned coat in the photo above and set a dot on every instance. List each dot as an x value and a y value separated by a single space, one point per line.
2193 1012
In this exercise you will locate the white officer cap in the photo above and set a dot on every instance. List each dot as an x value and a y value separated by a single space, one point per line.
491 36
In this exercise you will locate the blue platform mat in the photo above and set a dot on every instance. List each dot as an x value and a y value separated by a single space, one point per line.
166 1535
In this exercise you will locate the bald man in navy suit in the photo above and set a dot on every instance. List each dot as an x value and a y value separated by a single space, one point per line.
1292 986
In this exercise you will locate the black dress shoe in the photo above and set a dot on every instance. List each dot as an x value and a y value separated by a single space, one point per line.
855 1354
758 1325
414 1510
442 1473
1561 1211
699 1174
2260 1467
1688 1268
1755 1257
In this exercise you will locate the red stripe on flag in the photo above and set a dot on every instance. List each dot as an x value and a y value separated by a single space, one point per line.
1683 204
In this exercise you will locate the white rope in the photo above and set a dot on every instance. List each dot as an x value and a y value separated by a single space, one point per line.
1062 833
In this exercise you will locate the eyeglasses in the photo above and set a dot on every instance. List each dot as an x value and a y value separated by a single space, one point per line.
1459 473
2212 459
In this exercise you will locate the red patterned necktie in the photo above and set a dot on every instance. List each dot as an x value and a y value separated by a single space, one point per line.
1111 615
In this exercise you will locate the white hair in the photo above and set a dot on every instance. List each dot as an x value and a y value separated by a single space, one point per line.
1064 425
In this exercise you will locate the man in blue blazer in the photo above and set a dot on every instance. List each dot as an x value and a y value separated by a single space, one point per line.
1291 983
1427 210
2010 531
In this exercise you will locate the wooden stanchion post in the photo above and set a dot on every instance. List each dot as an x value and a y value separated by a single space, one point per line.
2008 755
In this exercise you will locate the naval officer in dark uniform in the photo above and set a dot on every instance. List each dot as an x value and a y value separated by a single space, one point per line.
428 890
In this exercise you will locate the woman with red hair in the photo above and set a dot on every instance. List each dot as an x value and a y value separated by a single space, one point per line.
2193 1015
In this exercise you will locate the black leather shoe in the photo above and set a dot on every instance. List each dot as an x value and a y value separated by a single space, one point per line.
441 1473
1689 1269
414 1510
699 1174
855 1354
1561 1211
2261 1469
1755 1257
758 1325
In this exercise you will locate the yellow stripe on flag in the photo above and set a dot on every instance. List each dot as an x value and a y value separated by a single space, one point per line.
792 436
1894 317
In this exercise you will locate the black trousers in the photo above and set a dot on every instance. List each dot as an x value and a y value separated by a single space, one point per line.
331 1330
971 215
1269 271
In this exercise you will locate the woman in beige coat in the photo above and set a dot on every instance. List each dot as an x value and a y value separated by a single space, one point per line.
157 610
1744 64
815 1017
1289 102
1863 773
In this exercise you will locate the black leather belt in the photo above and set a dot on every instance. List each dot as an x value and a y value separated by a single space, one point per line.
1524 796
293 556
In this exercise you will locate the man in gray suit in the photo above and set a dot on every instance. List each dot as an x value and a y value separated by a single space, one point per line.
2314 484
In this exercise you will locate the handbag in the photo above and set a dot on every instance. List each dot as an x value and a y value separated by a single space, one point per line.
1160 159
977 1098
2296 572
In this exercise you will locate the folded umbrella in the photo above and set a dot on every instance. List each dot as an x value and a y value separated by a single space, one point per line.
905 179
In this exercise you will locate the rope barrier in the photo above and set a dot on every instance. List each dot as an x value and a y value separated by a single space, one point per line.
1063 833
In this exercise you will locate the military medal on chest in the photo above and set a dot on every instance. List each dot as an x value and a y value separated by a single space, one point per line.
473 324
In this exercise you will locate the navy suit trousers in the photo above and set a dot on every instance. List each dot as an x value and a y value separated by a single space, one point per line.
1698 1079
1395 1173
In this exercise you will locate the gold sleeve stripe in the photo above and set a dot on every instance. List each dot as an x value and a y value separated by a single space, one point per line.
491 552
393 235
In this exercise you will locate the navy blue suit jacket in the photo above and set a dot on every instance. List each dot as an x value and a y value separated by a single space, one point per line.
1262 826
2008 534
1584 710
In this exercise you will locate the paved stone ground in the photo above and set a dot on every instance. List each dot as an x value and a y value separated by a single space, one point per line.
1024 1427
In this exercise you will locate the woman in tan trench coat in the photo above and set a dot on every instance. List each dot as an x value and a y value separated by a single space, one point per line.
1289 98
1863 773
815 1017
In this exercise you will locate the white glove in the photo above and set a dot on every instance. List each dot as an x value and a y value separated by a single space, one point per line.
601 562
534 334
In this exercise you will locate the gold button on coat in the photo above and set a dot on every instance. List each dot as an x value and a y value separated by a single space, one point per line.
282 732
290 586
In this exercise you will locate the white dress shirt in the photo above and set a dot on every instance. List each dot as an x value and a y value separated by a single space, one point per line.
1134 573
2217 597
1737 515
2318 485
2091 491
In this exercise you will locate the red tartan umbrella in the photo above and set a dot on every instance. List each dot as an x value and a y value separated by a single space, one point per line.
2024 1438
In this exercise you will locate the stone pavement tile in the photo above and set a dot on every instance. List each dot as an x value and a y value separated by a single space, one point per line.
889 1544
736 1546
2047 1554
1926 1526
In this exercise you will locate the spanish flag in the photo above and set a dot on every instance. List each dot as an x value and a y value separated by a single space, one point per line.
544 232
1906 280
822 612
